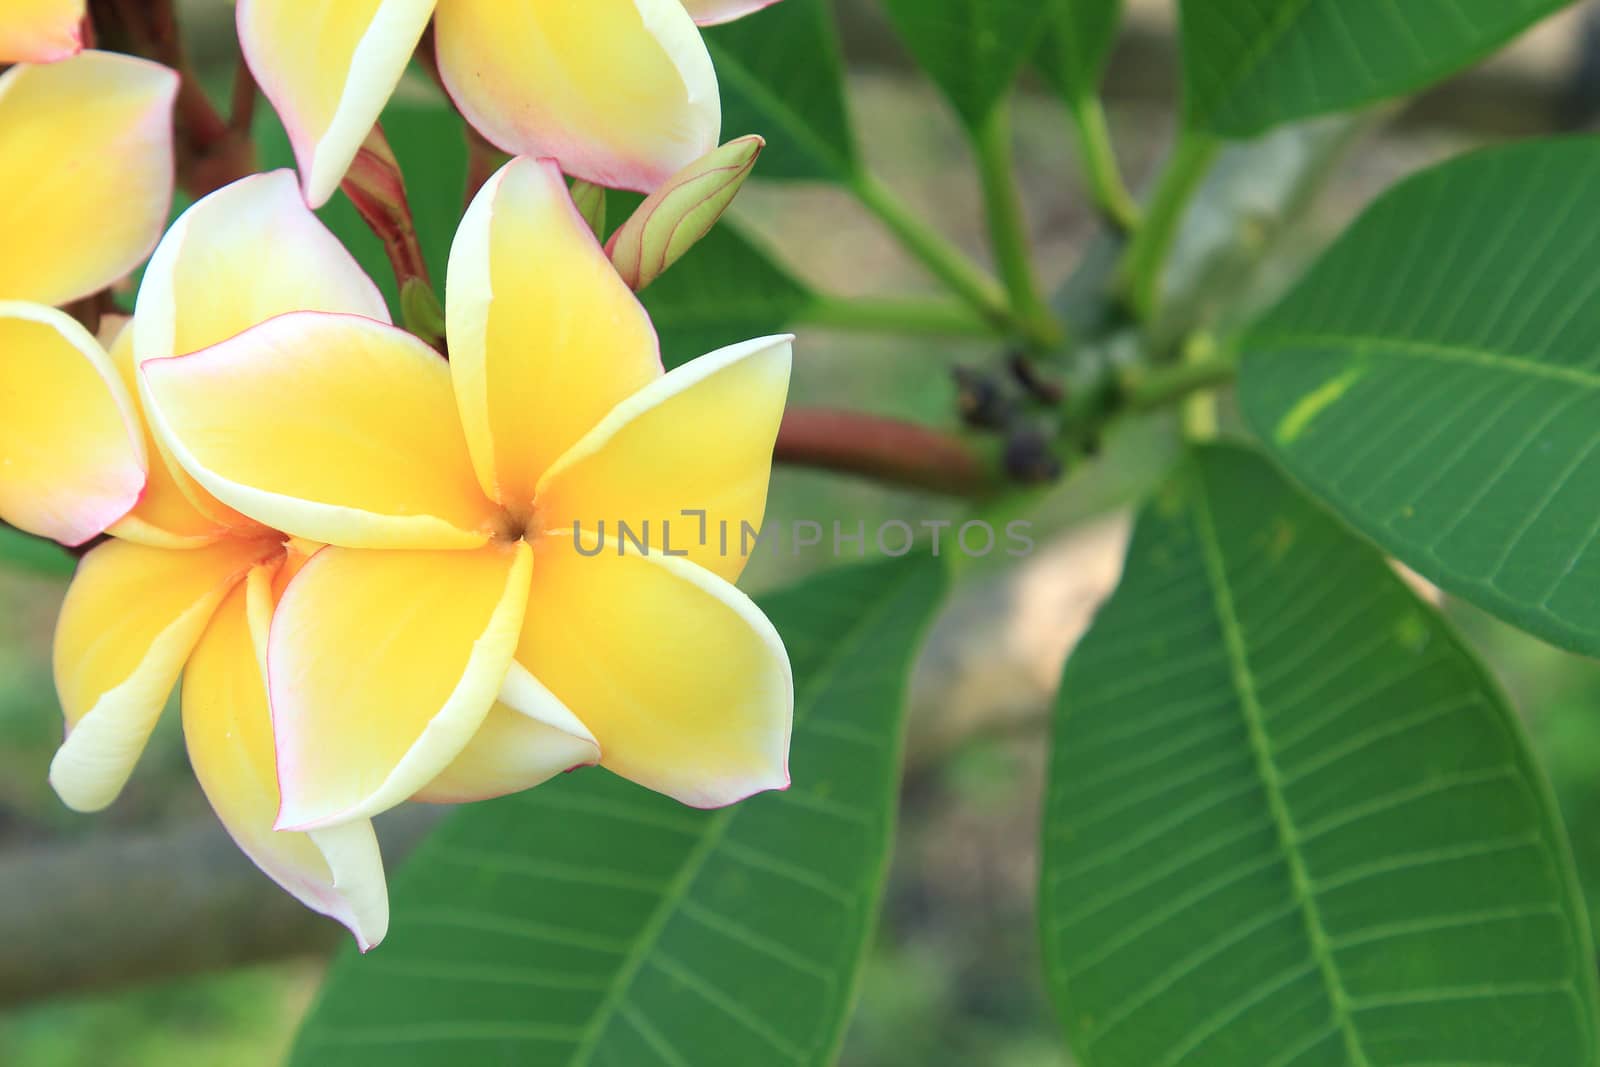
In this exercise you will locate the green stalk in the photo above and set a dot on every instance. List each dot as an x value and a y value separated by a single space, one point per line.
1008 227
1162 387
895 315
943 259
1144 264
1099 160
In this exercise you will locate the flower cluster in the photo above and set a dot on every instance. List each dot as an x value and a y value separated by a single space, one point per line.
382 576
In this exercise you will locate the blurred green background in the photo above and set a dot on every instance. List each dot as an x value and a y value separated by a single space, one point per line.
953 979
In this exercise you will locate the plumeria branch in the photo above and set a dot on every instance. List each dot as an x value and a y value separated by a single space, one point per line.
884 450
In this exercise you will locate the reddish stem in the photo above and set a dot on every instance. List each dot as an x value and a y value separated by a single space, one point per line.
884 450
242 106
377 188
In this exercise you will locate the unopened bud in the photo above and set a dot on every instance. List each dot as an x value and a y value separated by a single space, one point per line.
675 217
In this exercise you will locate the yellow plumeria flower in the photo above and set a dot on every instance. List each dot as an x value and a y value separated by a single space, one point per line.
41 31
621 93
186 584
457 639
86 172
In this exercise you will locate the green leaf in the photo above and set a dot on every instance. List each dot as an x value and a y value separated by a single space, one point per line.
1252 64
726 290
1291 820
782 78
1436 378
1077 43
590 922
973 49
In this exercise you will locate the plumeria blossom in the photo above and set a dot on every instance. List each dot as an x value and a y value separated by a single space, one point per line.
476 625
86 170
41 31
621 93
185 584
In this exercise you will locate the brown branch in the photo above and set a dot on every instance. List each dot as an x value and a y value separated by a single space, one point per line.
884 450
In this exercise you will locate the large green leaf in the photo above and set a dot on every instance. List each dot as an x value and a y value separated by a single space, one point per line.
1291 821
591 922
1437 379
1077 42
973 49
726 290
1251 64
782 78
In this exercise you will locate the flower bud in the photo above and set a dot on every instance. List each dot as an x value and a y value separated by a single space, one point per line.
681 212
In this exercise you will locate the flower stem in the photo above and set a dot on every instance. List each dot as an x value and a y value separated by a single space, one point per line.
377 188
1099 160
1008 228
1162 387
1145 263
943 259
894 315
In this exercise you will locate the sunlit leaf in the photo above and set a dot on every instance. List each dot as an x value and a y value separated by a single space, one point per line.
1252 64
1291 820
1436 378
782 78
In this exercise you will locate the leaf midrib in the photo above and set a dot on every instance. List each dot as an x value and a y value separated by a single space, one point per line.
677 888
1267 769
1439 351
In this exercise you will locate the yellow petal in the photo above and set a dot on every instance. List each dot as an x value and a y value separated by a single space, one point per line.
544 336
71 462
228 730
164 517
528 738
246 253
329 66
715 12
86 172
41 31
698 440
620 92
238 257
383 665
334 428
130 620
680 677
